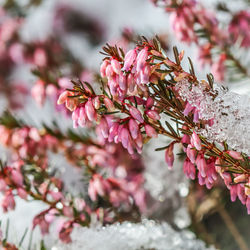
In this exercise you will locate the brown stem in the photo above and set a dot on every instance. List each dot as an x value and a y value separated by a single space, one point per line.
232 228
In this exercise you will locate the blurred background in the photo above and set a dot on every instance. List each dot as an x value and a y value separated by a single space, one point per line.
81 29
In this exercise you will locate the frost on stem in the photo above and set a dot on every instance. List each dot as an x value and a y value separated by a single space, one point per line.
230 114
145 235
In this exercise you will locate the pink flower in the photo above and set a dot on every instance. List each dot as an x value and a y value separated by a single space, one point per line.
16 52
90 111
8 202
191 153
141 59
169 155
82 118
38 92
65 231
17 177
129 59
63 97
185 139
195 141
109 104
239 28
22 193
150 102
97 185
240 178
188 109
116 66
233 192
136 114
124 137
113 131
201 165
153 115
150 131
103 68
189 169
133 128
40 57
235 155
96 102
75 117
104 128
122 82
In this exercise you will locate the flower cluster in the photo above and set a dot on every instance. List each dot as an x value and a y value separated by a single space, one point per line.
194 23
30 152
156 93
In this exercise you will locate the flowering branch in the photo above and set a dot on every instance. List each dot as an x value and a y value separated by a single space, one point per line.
144 84
194 23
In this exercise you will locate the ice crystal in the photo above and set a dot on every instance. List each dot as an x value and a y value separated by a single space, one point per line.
229 111
145 235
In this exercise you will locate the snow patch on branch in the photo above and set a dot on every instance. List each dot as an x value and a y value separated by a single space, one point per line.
230 113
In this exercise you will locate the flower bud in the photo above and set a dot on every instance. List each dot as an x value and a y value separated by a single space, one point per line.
133 128
116 66
129 59
150 131
136 114
195 141
169 155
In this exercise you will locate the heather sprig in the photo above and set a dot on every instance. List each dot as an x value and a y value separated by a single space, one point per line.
142 86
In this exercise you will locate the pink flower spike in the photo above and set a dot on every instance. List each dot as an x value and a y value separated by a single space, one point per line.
133 128
136 114
195 141
129 59
90 111
150 131
169 155
116 66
